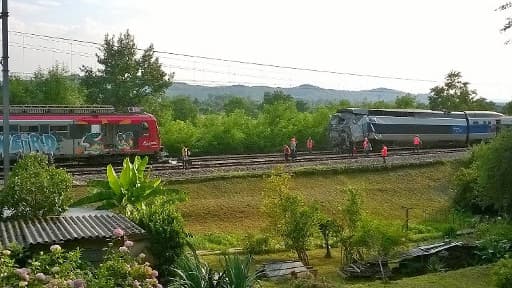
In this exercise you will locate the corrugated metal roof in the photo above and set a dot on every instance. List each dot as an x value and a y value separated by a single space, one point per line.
70 226
430 249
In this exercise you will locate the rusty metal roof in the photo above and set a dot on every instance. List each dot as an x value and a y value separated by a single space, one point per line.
74 225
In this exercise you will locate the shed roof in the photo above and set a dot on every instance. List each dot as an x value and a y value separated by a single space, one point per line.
73 225
430 249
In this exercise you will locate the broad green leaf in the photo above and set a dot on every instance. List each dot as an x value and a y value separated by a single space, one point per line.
125 178
97 196
113 181
107 205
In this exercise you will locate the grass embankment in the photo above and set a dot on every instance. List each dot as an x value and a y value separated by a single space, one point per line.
233 205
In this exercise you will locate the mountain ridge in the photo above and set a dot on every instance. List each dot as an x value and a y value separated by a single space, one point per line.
307 92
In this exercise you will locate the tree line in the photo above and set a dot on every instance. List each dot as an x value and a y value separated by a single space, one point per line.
129 76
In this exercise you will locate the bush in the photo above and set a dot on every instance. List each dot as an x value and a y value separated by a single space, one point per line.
36 189
256 244
164 224
502 273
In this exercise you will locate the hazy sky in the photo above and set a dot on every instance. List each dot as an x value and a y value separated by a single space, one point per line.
398 38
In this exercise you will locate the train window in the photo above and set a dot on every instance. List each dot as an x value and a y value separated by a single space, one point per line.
78 131
475 122
59 130
44 128
29 129
144 126
12 129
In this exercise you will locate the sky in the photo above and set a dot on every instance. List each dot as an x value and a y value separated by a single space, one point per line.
414 39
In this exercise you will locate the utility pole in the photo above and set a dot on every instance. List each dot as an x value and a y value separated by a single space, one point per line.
5 90
406 224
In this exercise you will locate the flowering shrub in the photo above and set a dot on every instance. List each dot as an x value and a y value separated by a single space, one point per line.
64 269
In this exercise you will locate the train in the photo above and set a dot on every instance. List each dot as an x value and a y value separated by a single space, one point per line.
81 132
397 127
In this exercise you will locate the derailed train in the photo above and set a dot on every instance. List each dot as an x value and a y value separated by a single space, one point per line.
397 127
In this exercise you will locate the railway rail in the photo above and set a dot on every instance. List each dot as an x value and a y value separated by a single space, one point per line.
206 162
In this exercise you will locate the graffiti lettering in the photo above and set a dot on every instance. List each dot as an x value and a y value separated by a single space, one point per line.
25 143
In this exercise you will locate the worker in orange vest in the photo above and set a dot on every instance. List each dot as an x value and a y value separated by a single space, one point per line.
309 144
384 153
416 142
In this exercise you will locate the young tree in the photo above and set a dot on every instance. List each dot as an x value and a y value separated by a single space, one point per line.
125 79
351 219
453 95
405 101
289 216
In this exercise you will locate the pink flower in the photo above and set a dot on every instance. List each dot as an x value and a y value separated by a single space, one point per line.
154 274
159 286
118 232
78 283
41 277
128 243
123 249
55 248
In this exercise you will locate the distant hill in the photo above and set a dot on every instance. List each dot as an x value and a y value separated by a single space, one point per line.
307 92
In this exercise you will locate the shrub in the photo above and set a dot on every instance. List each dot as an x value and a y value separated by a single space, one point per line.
502 273
255 244
36 189
164 224
62 269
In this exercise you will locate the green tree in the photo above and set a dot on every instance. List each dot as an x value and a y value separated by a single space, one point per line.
51 87
275 97
494 167
508 23
289 216
184 109
36 189
405 101
351 220
240 103
453 95
124 79
507 109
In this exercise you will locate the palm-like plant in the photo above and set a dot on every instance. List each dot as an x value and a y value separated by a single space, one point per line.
130 189
237 272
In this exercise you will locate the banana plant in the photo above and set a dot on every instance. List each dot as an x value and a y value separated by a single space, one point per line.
128 190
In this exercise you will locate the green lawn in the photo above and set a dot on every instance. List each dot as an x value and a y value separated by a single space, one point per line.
233 205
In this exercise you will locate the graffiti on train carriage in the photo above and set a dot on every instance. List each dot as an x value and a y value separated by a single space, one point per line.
94 143
25 143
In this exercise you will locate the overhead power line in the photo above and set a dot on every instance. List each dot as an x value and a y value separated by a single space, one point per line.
236 61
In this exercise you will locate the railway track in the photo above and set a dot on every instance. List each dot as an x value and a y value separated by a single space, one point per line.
207 162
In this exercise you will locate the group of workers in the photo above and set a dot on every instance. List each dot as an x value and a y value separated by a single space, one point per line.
367 147
290 151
